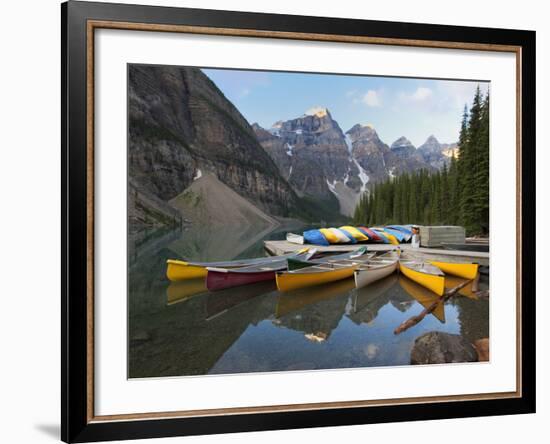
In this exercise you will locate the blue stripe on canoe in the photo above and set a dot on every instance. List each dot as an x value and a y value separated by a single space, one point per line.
315 237
401 228
382 236
398 234
348 235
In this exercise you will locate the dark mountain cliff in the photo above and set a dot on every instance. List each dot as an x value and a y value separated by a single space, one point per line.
180 123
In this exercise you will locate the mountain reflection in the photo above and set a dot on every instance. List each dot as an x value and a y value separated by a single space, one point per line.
367 301
315 311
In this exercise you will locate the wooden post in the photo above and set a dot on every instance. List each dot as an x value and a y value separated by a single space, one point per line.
475 283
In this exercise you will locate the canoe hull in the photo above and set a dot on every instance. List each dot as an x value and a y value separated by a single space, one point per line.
218 280
177 270
466 271
370 275
431 282
181 271
294 281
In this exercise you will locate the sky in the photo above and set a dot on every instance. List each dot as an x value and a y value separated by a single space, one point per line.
414 108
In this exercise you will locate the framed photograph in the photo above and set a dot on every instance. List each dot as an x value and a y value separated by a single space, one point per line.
275 221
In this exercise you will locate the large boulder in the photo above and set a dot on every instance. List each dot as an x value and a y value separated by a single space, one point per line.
439 348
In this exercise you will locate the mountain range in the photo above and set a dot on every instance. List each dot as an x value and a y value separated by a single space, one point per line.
318 159
183 131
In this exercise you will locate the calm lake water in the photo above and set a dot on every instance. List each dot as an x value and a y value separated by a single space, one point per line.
180 329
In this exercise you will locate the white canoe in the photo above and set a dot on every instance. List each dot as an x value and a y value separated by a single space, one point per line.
376 268
295 238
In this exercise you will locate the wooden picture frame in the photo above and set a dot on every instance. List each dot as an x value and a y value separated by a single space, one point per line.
79 22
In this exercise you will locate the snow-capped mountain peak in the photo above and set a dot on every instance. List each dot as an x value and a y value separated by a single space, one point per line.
318 111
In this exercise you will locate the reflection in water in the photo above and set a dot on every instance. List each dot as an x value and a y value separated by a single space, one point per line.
424 296
182 329
223 301
314 313
453 281
182 290
367 301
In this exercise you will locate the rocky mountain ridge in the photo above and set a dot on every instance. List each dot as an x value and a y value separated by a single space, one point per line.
319 160
181 124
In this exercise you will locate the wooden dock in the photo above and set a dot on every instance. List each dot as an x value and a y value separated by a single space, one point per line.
280 247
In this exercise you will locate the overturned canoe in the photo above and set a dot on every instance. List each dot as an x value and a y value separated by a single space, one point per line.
356 233
466 270
372 235
297 238
423 273
407 229
387 237
376 268
182 270
399 235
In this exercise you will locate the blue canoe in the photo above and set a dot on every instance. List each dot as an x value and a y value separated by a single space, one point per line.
315 237
398 234
402 228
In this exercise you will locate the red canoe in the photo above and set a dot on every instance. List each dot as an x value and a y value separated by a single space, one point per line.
220 278
371 234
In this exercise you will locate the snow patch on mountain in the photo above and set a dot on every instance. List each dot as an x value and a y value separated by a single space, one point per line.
363 176
332 187
289 149
349 142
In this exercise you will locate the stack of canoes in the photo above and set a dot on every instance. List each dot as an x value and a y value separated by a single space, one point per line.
394 234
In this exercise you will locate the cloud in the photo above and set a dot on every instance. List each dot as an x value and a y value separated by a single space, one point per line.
372 98
460 93
421 94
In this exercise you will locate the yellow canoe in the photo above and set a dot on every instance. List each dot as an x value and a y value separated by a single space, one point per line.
330 236
181 270
466 271
177 270
425 274
358 236
393 240
424 297
315 275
